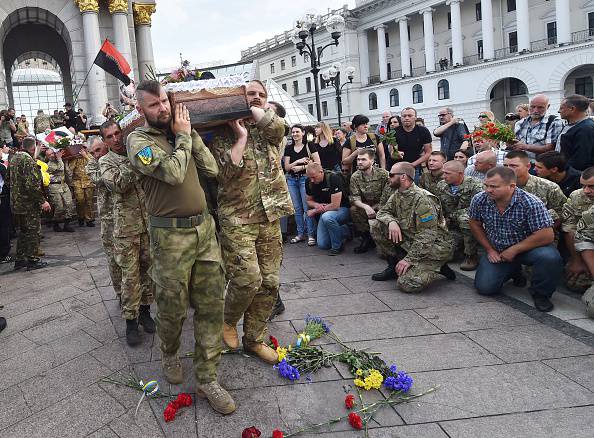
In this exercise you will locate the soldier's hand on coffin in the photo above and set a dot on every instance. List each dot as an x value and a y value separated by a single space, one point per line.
180 124
238 128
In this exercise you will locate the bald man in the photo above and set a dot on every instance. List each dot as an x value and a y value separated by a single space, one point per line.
484 162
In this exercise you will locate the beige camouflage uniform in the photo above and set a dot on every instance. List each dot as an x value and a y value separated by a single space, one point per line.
369 191
426 243
429 182
130 236
83 189
379 230
252 197
584 240
60 197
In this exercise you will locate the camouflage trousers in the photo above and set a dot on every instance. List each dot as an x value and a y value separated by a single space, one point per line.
582 281
252 254
84 203
132 254
61 201
360 219
115 272
460 231
379 233
187 271
28 228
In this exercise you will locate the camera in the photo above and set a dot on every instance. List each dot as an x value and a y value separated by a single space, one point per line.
512 117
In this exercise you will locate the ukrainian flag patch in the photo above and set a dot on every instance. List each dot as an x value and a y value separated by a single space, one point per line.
145 155
426 217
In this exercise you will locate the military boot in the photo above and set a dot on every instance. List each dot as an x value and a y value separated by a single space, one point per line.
366 244
20 264
56 227
470 263
67 227
389 273
230 336
132 334
145 320
278 308
172 369
263 351
447 272
35 264
220 400
81 222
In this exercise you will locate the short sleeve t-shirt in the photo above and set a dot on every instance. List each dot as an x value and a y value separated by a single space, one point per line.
330 155
294 156
322 192
411 143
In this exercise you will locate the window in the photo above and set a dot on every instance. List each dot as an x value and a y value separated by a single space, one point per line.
512 39
284 87
478 12
451 55
307 85
372 101
295 88
517 87
324 109
552 32
479 48
584 87
417 92
310 108
306 57
390 71
282 64
511 5
272 68
408 31
322 84
449 20
443 90
293 61
387 39
394 98
591 23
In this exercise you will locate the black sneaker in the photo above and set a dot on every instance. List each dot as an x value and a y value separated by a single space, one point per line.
145 319
279 307
6 259
447 272
542 303
132 334
36 264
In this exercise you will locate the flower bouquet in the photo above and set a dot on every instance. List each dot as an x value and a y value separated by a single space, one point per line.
493 131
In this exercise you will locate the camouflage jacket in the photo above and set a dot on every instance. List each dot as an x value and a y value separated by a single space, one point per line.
423 226
573 209
457 204
429 182
548 192
386 193
26 193
58 171
104 201
56 121
80 179
255 190
130 217
368 190
41 124
585 226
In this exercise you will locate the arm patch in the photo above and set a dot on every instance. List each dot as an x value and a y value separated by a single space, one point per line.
426 217
145 155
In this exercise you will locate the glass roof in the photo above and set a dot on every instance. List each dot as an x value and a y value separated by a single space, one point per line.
295 111
22 76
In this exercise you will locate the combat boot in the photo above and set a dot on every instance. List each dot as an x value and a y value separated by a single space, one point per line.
35 264
172 369
447 272
90 224
132 334
67 227
230 336
470 263
389 273
278 308
81 222
366 244
20 264
57 228
145 320
263 351
218 398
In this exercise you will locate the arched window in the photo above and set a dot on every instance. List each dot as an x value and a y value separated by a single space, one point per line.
417 92
372 101
394 98
443 90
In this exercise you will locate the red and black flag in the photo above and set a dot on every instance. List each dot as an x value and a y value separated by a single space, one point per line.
112 61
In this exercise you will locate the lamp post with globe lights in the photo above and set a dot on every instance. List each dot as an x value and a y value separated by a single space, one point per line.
332 77
305 29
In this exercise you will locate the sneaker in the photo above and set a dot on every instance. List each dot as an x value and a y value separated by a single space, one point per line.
470 263
36 264
262 351
172 369
447 272
542 303
132 334
335 252
6 259
145 319
218 398
230 336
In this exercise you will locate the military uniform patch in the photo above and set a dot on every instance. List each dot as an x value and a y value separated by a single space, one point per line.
426 217
145 155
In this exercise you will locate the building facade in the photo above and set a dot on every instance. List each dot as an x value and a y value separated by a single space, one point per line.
485 55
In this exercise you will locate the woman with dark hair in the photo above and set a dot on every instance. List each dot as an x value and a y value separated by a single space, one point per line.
462 155
328 147
390 147
362 139
298 153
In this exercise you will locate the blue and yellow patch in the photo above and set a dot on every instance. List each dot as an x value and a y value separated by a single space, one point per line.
145 155
426 217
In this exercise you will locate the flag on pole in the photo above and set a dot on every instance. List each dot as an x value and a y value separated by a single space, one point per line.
113 62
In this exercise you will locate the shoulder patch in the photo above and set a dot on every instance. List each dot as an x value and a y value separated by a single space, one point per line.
145 155
426 217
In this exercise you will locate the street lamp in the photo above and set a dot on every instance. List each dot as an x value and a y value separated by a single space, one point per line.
305 28
332 77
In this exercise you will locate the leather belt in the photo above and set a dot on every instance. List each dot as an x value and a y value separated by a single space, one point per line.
56 182
176 222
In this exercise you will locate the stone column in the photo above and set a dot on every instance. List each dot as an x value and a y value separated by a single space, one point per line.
404 46
427 14
96 85
144 41
363 56
487 27
381 52
119 18
563 24
523 25
457 46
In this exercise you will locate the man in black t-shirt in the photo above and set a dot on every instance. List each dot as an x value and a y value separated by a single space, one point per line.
70 116
328 207
413 140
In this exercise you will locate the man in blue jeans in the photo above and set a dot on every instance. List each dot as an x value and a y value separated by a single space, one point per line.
515 229
327 205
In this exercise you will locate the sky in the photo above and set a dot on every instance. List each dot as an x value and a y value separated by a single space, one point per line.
207 31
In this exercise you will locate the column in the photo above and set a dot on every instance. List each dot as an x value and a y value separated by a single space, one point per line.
429 40
96 85
457 47
381 52
144 41
523 25
404 46
487 27
563 24
363 56
119 18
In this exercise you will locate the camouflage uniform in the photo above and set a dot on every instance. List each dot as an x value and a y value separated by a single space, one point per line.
369 191
56 121
455 209
252 197
60 197
83 189
130 236
426 243
105 209
379 230
26 198
186 262
41 123
576 205
584 240
429 182
548 192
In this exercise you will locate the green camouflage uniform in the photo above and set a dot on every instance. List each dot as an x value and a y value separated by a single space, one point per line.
379 230
186 262
105 210
26 198
429 182
548 192
56 121
369 191
426 243
83 189
60 197
576 205
252 197
584 240
455 209
130 236
41 123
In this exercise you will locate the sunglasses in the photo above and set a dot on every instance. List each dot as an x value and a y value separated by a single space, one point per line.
483 116
442 115
394 174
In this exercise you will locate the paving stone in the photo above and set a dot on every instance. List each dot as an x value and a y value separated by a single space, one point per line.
145 424
185 420
95 312
311 289
104 432
474 316
57 328
152 371
102 332
72 304
15 344
491 390
140 353
355 304
571 422
525 343
25 365
366 284
290 274
578 369
343 270
413 431
586 324
13 407
107 293
90 297
32 319
111 355
39 300
71 346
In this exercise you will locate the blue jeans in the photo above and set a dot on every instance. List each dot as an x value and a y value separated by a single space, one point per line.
547 268
332 228
305 224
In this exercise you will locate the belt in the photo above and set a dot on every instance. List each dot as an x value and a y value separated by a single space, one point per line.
177 222
56 182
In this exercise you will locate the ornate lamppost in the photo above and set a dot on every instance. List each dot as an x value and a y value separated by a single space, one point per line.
332 77
305 29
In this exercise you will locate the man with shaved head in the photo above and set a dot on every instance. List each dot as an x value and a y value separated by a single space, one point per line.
484 161
455 192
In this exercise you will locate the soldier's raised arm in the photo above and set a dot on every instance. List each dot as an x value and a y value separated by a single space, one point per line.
271 126
117 177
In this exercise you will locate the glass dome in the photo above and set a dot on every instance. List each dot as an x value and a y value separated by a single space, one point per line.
22 76
35 88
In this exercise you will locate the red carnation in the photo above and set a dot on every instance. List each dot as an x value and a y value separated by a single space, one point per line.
355 420
169 412
251 432
467 135
277 434
349 401
183 400
274 342
382 130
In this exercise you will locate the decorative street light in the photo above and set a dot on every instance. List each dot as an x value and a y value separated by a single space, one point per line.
332 77
305 28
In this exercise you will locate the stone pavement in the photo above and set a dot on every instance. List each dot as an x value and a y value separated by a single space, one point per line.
505 370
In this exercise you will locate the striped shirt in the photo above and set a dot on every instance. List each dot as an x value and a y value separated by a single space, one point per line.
537 134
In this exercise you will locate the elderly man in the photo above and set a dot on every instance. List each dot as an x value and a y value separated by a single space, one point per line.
576 141
430 180
382 127
484 161
451 132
